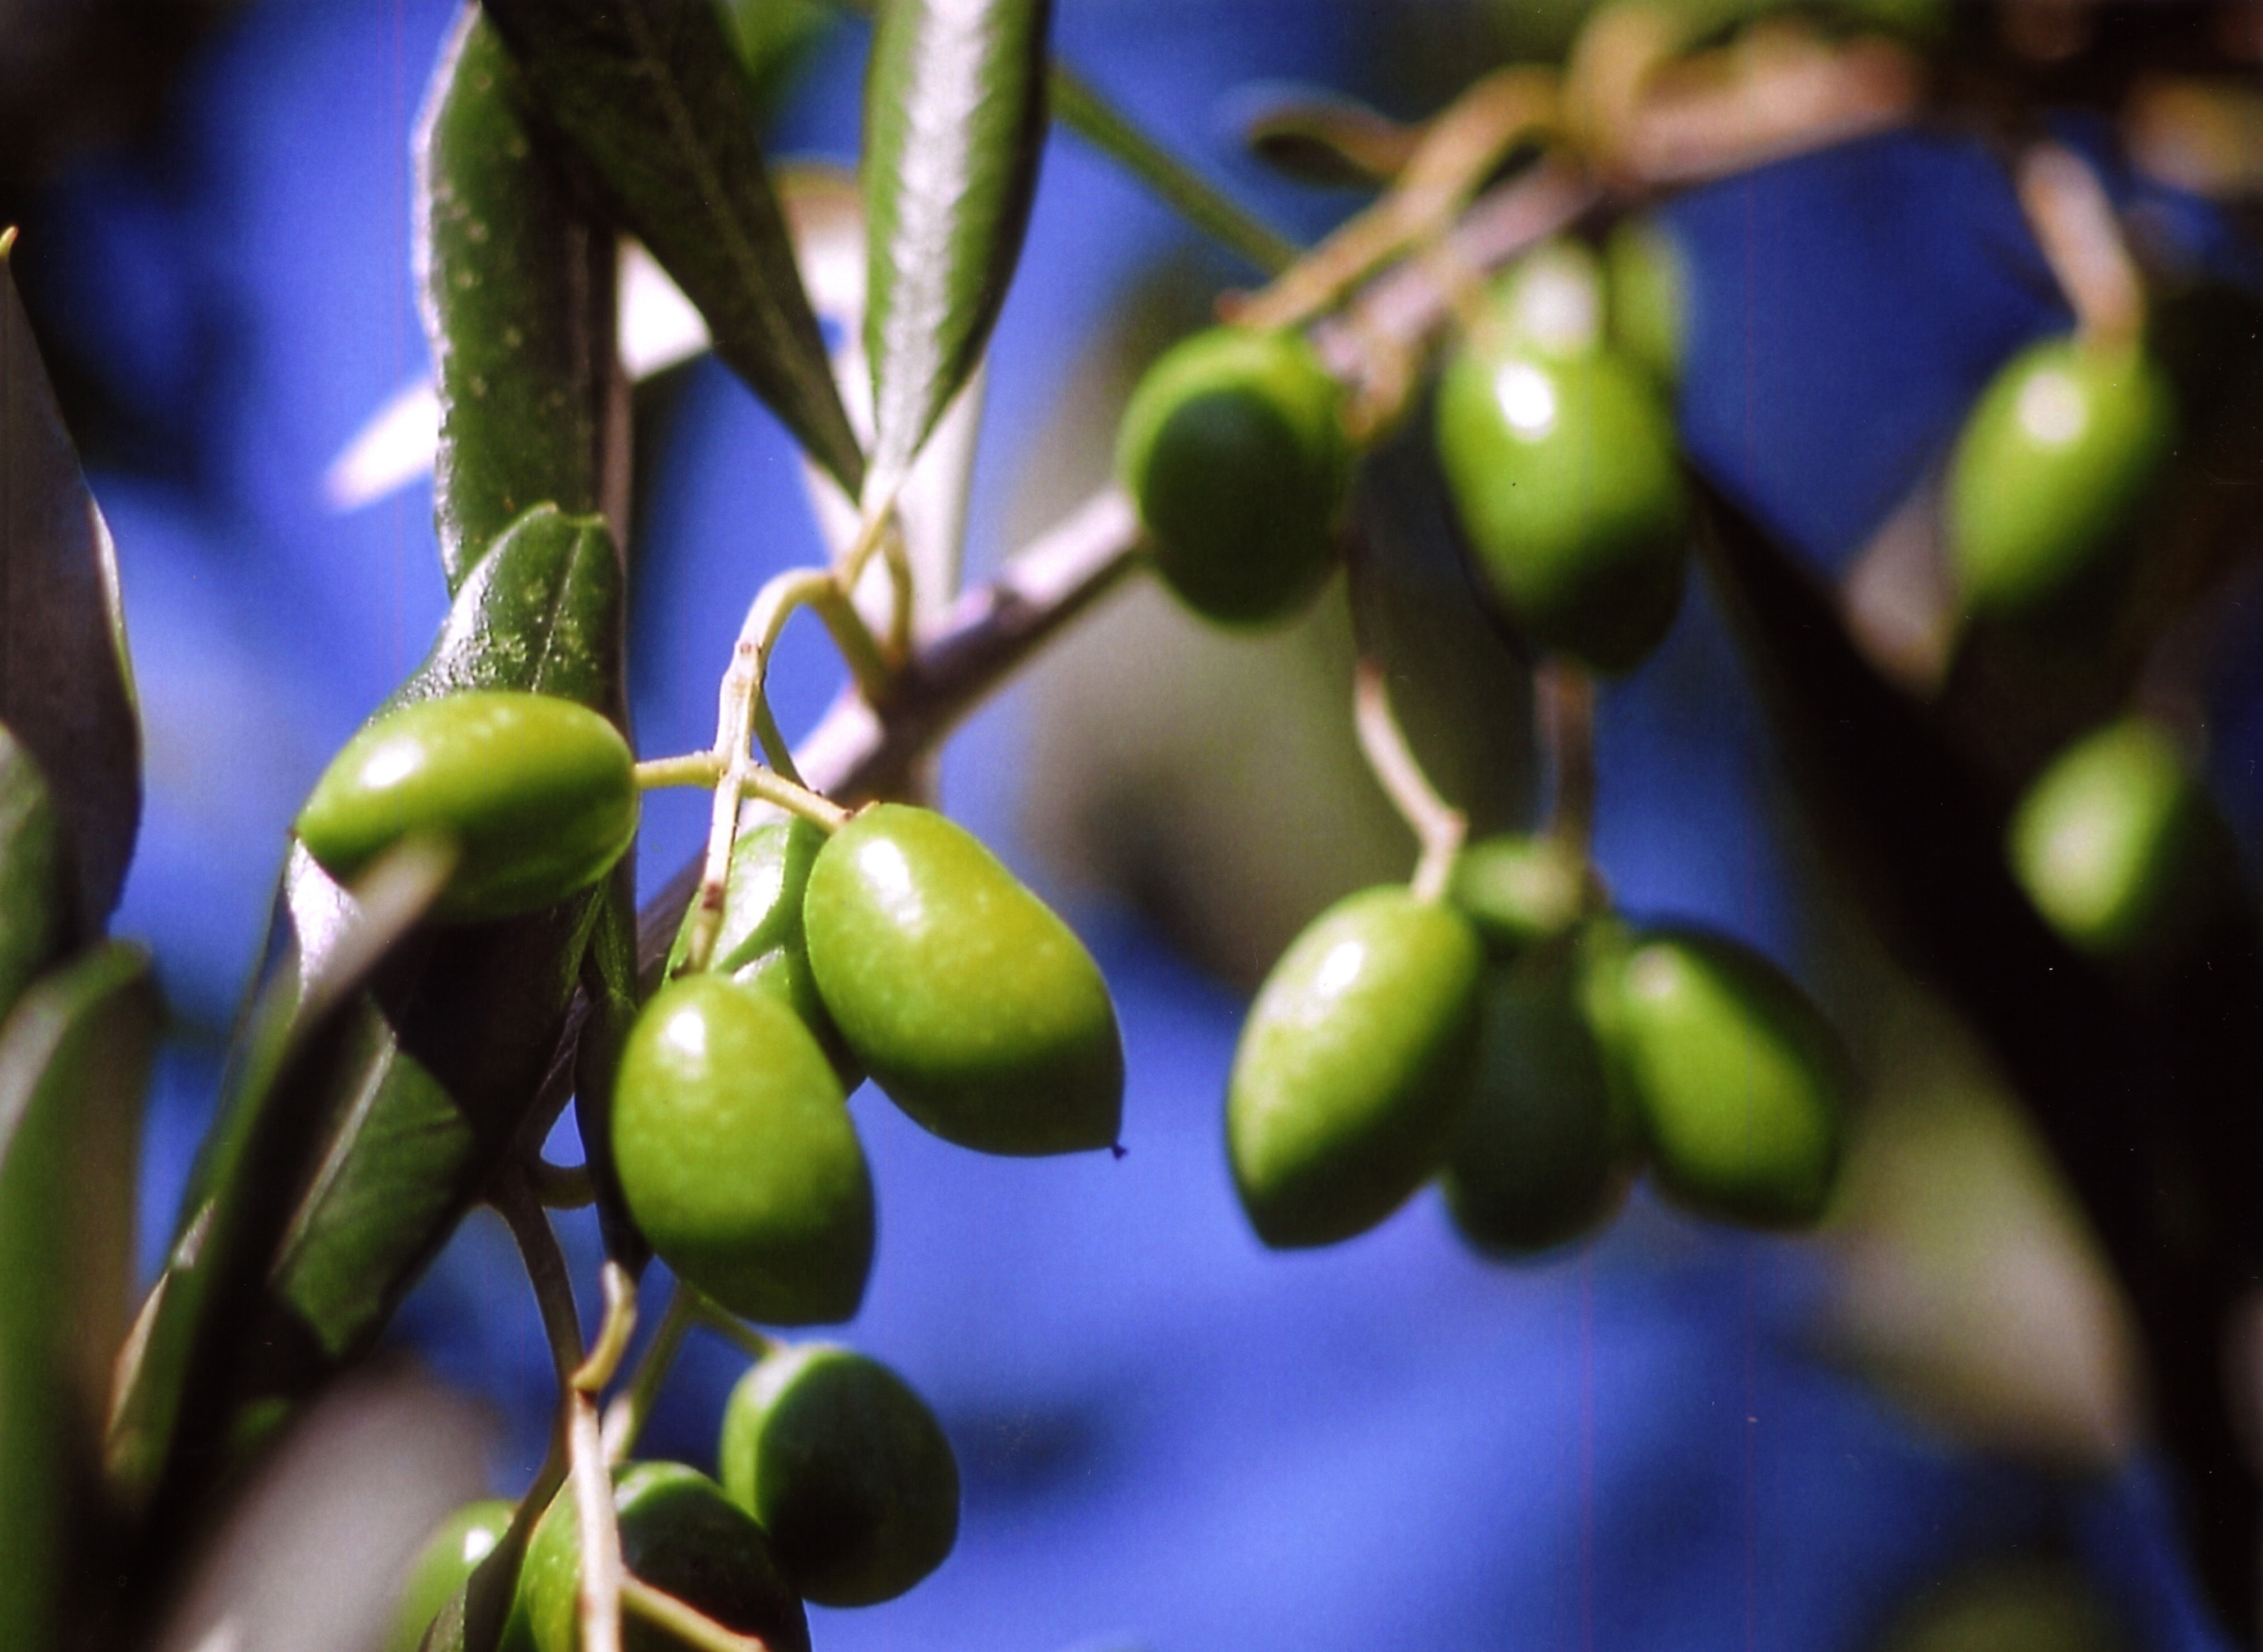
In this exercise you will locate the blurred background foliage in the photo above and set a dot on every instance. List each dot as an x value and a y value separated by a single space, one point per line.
1925 1419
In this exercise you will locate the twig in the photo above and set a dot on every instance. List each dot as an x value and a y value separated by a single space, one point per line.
1437 825
625 1417
2081 241
1563 705
685 1622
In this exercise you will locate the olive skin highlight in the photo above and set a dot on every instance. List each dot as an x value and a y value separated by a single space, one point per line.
1233 449
845 1467
1352 1065
736 1155
972 1004
538 796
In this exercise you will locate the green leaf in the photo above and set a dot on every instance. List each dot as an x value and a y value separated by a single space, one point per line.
656 105
66 688
35 899
515 280
609 983
74 1060
351 1146
954 124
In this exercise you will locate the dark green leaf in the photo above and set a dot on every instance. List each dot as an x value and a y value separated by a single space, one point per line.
608 982
66 688
74 1060
954 123
516 282
35 899
656 105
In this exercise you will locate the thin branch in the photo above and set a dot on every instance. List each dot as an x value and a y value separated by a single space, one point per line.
2081 239
625 1417
1564 706
687 1623
1437 825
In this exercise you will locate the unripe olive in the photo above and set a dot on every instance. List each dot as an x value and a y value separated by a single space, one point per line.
1351 1066
2055 461
969 1001
2117 842
1563 472
1523 892
447 1559
1649 281
1541 1154
1551 302
1739 1083
1233 449
736 1155
846 1468
538 794
760 941
682 1536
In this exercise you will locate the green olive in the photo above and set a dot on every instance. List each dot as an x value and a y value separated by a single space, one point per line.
1233 448
440 1568
972 1004
1523 892
1563 474
1551 302
682 1536
1352 1065
736 1155
538 794
1739 1083
1649 281
846 1468
2055 461
2116 843
760 943
1542 1155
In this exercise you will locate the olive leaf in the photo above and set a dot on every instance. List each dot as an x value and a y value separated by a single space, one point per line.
35 901
66 686
654 105
349 1148
514 279
74 1061
954 125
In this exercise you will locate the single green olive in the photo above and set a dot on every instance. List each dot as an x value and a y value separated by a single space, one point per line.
2057 459
538 794
2117 842
969 1001
736 1155
441 1567
1523 892
1352 1065
1564 474
682 1536
1543 1155
760 943
846 1468
1233 449
1739 1083
1549 301
1648 278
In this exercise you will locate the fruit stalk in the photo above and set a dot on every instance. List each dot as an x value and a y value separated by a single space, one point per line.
1437 825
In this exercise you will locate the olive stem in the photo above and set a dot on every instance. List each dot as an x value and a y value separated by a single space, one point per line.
591 1375
625 1416
796 800
728 1325
685 1622
776 750
1563 704
559 1186
1459 150
693 768
1439 827
546 1267
2075 225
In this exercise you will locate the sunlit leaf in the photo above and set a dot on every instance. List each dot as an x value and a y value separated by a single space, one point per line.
954 124
656 105
66 688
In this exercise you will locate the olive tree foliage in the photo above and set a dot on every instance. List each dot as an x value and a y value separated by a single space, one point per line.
396 1068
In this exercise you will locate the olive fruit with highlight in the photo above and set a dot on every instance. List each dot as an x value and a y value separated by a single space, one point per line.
736 1155
441 1567
1563 472
760 943
1352 1065
970 1004
1541 1155
537 795
1739 1085
1523 892
846 1468
2117 842
1233 449
1649 283
682 1536
2055 461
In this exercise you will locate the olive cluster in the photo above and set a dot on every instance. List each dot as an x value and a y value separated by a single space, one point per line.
837 1486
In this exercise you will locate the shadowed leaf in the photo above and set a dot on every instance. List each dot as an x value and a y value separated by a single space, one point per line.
35 896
